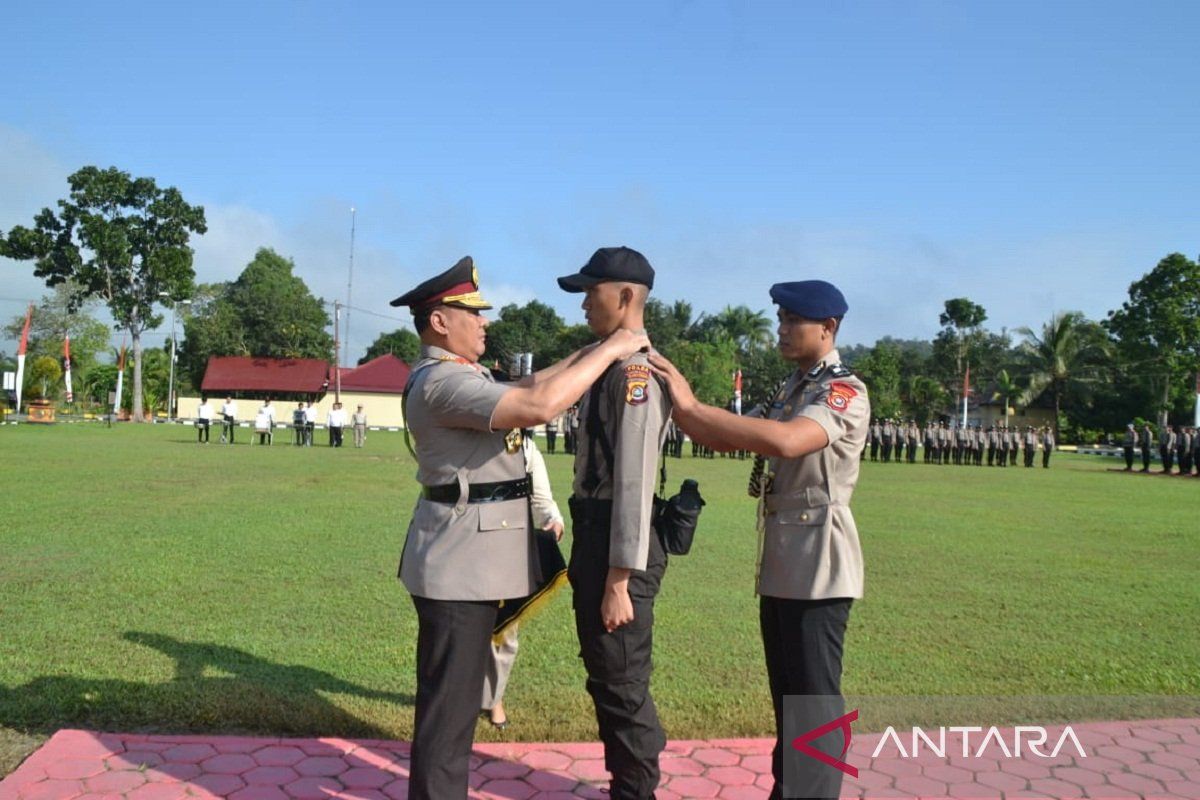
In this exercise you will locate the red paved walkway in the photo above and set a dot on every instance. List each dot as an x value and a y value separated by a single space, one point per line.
1124 760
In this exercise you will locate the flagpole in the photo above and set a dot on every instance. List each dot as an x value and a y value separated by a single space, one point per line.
67 367
21 356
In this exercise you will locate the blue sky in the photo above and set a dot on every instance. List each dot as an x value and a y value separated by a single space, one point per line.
1031 156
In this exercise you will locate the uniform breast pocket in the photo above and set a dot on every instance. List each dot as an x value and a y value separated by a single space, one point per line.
808 517
503 516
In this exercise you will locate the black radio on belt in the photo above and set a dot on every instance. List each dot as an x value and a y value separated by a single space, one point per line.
675 519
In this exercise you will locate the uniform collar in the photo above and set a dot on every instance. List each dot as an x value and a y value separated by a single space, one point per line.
830 359
431 351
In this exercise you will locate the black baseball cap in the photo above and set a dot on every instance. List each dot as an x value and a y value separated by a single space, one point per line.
610 264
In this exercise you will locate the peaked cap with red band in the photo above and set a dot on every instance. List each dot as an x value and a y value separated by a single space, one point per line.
457 286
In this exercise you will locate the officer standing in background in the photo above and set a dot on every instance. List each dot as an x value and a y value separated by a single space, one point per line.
1145 440
1047 445
810 565
469 544
1128 442
617 561
1183 449
875 436
1166 448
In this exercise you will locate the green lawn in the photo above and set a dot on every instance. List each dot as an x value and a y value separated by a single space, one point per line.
148 583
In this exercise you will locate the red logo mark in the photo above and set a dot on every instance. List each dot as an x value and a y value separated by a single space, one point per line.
801 743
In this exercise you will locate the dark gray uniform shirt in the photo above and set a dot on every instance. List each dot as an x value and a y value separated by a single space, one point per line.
634 411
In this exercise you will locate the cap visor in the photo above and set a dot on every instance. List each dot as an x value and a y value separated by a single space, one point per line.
577 282
475 302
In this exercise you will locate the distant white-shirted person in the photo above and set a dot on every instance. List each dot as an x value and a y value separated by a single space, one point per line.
336 422
228 419
204 416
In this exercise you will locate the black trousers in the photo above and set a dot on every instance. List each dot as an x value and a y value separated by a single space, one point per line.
618 664
802 642
229 427
202 430
1046 458
1128 459
452 653
551 440
1145 458
335 436
1168 457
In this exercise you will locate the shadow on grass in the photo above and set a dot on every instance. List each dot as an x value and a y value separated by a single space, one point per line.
215 688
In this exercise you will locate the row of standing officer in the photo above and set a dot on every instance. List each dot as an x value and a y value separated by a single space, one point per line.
891 440
1177 447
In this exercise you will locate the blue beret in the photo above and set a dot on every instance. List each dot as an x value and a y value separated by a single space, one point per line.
812 299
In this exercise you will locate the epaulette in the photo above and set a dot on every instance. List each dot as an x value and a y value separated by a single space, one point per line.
840 371
817 369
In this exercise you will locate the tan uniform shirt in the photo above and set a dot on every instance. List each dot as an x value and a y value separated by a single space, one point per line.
810 548
633 415
464 551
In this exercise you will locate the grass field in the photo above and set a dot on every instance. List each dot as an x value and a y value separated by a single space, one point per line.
148 583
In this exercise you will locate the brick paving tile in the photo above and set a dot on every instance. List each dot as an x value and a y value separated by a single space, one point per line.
552 781
1189 789
921 786
715 757
1189 750
115 782
313 788
261 793
546 759
973 790
743 793
1024 769
553 796
1156 771
518 790
270 776
360 794
1135 783
590 769
158 791
732 776
190 753
1080 777
680 766
397 789
134 759
172 773
693 786
229 764
1137 743
1174 760
237 744
219 784
379 757
1004 781
948 774
72 768
278 756
503 770
366 778
320 766
756 763
51 790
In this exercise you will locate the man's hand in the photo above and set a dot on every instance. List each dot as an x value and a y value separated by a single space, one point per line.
616 609
556 526
677 385
622 343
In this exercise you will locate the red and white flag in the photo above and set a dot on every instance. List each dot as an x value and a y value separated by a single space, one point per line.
737 392
120 379
67 367
21 355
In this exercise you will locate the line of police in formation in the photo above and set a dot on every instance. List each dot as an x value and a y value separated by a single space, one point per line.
1178 448
943 443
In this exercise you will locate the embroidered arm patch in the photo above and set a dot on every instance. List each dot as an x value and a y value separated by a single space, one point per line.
840 395
637 379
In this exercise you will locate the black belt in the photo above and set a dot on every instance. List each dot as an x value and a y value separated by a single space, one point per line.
478 492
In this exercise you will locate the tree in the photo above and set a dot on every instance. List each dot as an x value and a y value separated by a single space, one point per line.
1008 388
1158 328
532 328
926 397
53 319
118 238
44 374
880 371
267 312
1069 353
665 324
749 330
709 368
960 318
402 343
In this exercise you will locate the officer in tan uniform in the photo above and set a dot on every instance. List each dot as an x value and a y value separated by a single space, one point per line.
617 561
810 564
470 543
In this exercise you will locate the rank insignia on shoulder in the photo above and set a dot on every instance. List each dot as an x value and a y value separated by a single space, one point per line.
840 371
840 395
513 440
637 379
816 370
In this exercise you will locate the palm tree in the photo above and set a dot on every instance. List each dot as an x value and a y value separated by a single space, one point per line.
749 329
1067 354
1008 388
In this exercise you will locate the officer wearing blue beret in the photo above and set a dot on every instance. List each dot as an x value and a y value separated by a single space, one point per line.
810 566
470 544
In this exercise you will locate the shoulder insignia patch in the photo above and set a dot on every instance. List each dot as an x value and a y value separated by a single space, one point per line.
637 379
840 371
840 395
816 370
